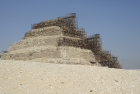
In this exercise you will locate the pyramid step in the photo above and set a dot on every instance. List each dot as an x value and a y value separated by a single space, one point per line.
31 53
46 31
62 61
49 52
37 41
31 42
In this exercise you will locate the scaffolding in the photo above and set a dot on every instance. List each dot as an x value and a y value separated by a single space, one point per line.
70 28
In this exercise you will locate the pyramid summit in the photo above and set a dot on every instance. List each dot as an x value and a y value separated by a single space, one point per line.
60 40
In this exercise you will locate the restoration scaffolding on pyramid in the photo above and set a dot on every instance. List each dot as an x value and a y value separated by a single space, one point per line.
93 43
65 34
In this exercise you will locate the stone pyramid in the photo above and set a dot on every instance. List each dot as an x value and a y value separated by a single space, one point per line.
52 41
60 40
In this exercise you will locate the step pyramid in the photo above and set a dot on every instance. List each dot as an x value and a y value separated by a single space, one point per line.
60 40
55 41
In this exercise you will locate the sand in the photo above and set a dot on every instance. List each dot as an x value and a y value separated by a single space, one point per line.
24 77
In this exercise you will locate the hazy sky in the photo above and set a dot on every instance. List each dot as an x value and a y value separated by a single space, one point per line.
117 22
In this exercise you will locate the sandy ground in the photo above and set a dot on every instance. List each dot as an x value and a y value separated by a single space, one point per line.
22 77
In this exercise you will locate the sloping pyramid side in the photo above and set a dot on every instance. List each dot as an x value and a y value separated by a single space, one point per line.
42 45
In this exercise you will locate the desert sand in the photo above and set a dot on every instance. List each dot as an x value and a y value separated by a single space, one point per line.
26 77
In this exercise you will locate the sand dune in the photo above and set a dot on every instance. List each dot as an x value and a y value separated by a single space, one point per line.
24 77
